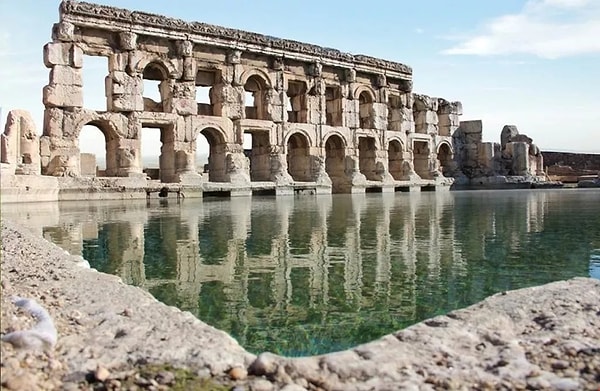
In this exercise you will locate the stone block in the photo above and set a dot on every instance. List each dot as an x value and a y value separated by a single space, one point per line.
57 54
473 127
62 74
63 31
427 117
76 57
60 95
407 126
184 106
53 122
117 62
127 40
127 102
87 162
508 132
189 69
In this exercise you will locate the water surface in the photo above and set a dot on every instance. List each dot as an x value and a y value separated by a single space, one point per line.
314 274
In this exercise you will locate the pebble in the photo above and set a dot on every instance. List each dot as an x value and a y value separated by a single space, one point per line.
238 373
565 385
265 364
20 383
165 377
261 385
101 373
293 387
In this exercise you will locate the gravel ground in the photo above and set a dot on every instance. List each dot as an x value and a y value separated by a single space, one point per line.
114 336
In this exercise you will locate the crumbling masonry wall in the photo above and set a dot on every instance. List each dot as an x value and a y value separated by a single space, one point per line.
314 114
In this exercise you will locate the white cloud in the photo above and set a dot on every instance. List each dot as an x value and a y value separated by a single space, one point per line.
545 28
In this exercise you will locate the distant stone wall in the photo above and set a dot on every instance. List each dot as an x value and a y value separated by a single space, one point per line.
577 161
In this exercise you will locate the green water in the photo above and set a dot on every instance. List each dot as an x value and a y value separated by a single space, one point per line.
314 274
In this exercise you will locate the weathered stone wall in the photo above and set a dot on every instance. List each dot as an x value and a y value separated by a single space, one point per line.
577 161
314 114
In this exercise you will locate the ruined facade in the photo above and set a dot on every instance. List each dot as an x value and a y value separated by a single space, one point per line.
342 122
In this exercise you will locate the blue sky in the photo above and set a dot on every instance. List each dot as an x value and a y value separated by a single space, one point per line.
534 64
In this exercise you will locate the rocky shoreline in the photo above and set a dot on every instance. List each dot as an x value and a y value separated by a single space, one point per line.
115 336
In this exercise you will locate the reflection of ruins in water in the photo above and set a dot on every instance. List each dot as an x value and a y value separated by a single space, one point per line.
249 262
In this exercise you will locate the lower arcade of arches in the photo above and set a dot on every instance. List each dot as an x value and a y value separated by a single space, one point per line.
200 151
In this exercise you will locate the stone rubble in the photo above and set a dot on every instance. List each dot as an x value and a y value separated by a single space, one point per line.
114 336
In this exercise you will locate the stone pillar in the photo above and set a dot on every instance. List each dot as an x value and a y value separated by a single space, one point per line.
128 158
448 116
237 165
279 166
485 156
425 113
20 144
407 101
65 88
520 157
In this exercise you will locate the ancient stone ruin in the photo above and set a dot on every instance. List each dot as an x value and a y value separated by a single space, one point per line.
316 115
514 160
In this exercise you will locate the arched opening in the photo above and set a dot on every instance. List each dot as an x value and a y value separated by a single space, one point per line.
156 87
202 151
158 165
366 157
333 106
92 151
298 158
395 159
445 158
421 159
334 160
296 102
205 80
255 98
257 148
215 161
365 110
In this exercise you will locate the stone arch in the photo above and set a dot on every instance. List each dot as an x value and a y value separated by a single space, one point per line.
309 137
156 72
366 98
217 153
365 91
298 156
256 86
396 158
255 72
335 158
445 156
170 69
108 127
87 164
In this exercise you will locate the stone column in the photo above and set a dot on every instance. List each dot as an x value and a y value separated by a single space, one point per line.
237 164
425 113
279 166
407 101
63 93
448 116
124 86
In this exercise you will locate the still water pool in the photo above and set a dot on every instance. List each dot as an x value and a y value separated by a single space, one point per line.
314 274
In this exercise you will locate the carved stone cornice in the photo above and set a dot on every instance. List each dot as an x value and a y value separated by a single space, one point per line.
72 10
